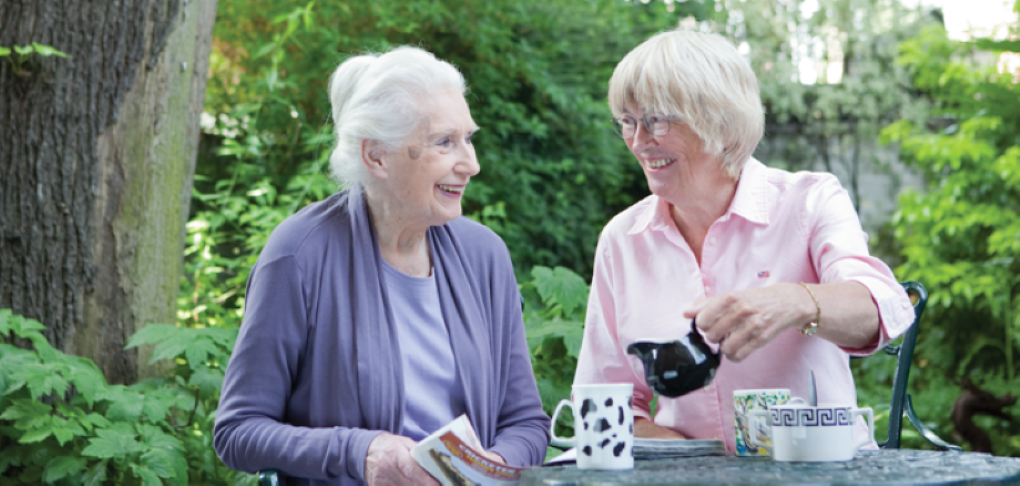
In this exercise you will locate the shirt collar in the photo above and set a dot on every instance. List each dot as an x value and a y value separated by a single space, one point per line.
749 202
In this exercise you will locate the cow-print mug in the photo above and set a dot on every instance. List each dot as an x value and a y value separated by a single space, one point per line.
603 425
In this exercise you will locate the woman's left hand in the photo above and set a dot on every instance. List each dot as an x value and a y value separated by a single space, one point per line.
492 456
745 320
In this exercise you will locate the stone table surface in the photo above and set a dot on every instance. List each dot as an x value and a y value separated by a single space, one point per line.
901 466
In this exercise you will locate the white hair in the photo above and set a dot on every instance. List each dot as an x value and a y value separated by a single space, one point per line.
378 97
702 79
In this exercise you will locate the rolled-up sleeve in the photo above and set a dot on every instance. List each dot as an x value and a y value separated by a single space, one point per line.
839 252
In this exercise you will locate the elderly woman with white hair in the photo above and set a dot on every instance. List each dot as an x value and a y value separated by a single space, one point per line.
375 317
771 264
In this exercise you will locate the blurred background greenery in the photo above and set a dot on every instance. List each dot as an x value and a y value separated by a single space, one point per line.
871 90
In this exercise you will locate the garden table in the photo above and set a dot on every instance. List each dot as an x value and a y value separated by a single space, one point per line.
889 466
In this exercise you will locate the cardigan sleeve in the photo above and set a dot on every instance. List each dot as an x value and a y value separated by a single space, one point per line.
522 429
250 433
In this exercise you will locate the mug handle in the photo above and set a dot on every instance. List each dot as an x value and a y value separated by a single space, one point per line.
560 441
768 423
871 425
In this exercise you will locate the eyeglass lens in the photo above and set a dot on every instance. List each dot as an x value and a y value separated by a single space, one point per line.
627 126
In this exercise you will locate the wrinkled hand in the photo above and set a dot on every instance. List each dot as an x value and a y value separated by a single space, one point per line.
389 462
750 319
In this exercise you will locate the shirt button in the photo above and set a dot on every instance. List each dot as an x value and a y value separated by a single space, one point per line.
711 240
708 289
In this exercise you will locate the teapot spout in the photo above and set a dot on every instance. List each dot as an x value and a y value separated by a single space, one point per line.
643 349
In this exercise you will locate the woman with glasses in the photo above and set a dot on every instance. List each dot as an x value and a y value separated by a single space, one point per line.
772 265
377 316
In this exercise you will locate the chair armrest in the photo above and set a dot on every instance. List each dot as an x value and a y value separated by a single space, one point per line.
269 477
925 431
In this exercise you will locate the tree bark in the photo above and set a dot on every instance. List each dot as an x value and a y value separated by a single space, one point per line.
97 156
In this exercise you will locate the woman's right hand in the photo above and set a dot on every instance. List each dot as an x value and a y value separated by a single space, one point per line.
389 462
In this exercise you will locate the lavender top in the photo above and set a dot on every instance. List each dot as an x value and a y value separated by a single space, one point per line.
435 394
316 372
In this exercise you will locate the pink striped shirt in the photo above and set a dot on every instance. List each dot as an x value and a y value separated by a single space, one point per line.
780 227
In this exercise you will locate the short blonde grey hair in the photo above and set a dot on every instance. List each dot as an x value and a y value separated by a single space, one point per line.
379 97
703 80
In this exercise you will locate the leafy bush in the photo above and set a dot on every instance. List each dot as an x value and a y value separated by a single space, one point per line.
961 237
61 423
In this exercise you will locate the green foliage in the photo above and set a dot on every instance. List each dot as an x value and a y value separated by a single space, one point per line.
554 323
61 423
961 237
22 53
552 171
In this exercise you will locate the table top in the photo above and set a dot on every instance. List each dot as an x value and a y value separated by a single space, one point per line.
897 466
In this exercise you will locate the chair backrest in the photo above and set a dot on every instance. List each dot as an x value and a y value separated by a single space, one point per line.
904 353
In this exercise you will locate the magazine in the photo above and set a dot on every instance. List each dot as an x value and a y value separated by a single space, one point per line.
453 456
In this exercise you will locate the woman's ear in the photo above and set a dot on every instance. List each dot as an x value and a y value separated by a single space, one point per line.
372 154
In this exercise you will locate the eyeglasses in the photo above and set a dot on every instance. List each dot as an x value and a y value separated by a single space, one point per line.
657 125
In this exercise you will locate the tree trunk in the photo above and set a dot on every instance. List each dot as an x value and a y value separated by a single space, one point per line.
97 155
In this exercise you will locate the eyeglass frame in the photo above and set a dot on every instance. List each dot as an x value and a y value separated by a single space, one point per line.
648 126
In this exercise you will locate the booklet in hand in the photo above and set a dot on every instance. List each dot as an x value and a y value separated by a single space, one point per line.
453 455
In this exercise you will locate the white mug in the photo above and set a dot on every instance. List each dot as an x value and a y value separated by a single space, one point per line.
801 432
603 426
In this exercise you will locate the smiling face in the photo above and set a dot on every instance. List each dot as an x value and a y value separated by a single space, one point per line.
674 161
425 178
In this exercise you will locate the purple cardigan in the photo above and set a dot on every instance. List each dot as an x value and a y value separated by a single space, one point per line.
316 372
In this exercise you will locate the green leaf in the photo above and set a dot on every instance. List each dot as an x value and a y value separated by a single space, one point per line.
152 334
160 462
45 50
23 50
148 476
208 380
561 286
62 466
96 475
125 405
27 414
35 435
199 351
4 51
111 443
156 406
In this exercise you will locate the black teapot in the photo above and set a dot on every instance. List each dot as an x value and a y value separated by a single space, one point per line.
678 367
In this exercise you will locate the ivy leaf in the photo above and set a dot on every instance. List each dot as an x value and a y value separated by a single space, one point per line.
4 52
23 50
96 475
62 466
115 442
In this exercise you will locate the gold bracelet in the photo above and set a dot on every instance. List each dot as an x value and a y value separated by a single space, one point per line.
812 327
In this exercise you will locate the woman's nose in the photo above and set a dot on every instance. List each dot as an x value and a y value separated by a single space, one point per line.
470 165
641 137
